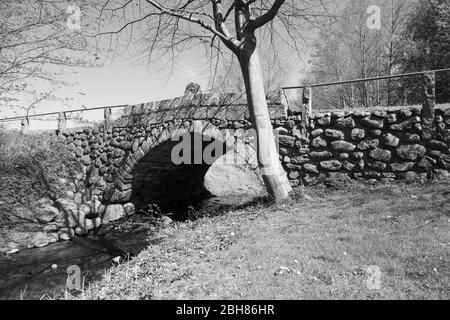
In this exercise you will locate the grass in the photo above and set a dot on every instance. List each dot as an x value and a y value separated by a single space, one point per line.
316 246
32 166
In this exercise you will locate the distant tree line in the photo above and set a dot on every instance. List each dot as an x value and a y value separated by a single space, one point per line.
413 35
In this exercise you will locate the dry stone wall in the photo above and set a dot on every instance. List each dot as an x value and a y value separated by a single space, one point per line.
378 144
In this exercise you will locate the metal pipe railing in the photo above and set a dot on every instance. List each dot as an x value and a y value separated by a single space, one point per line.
363 79
283 88
306 99
59 112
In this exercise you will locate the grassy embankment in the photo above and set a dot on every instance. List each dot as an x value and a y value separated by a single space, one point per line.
32 166
317 246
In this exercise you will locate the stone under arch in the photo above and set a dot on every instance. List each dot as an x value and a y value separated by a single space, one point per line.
158 170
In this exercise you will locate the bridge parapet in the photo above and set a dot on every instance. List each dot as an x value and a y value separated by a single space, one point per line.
226 107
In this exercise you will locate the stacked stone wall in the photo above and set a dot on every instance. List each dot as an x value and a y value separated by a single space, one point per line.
377 144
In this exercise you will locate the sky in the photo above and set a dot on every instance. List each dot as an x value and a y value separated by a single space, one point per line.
118 82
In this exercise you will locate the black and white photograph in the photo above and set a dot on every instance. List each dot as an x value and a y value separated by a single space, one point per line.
224 157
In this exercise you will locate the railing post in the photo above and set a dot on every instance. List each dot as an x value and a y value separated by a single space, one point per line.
285 102
25 126
307 102
107 115
62 121
352 93
429 101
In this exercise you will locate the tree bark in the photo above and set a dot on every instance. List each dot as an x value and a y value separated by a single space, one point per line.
273 174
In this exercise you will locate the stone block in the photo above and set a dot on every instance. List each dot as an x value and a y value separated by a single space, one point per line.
318 143
390 140
343 146
411 152
358 134
334 134
331 165
380 155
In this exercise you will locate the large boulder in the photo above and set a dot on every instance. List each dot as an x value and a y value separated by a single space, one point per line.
40 239
91 224
96 209
66 233
84 210
66 205
53 237
46 214
68 213
78 198
113 212
88 225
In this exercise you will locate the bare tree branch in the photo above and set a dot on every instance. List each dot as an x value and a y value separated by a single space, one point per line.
268 16
190 17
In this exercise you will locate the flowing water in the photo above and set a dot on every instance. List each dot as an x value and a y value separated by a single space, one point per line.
43 272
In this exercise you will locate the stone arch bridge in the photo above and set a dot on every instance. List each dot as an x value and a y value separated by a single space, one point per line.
130 159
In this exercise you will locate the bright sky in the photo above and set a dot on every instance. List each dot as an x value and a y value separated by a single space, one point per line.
118 83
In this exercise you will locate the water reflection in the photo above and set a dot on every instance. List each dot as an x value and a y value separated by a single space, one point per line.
29 274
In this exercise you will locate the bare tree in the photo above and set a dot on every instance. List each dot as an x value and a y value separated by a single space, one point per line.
348 49
168 27
35 42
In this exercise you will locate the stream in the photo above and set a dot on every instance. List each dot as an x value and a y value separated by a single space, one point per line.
41 273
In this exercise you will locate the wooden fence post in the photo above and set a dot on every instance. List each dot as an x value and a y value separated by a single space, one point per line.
307 103
62 121
25 126
107 115
429 101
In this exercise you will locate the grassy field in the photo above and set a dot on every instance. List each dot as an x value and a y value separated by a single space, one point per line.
325 244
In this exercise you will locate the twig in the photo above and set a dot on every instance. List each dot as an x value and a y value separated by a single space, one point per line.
412 229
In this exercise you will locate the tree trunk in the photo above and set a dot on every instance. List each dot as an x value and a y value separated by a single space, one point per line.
273 174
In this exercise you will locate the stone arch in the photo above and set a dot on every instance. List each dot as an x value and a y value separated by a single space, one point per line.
150 174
